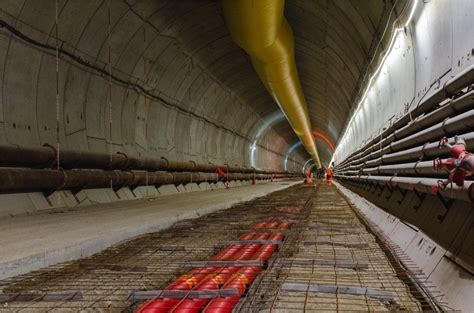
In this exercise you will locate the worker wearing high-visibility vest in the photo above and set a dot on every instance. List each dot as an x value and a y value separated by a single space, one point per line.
329 173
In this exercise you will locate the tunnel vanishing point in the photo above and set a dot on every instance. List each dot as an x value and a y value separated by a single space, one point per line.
236 156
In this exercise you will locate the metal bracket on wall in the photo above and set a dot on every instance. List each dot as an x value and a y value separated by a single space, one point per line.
403 192
382 188
116 188
421 197
365 185
374 185
48 192
447 203
390 190
75 191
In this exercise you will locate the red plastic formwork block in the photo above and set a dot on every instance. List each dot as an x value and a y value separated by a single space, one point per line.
222 305
215 278
158 305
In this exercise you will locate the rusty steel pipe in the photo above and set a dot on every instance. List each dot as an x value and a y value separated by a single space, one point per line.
45 157
47 180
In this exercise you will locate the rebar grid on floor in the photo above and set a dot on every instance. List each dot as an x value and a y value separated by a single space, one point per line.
334 264
107 279
328 247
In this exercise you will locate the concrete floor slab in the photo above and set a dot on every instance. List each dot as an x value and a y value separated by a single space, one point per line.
34 241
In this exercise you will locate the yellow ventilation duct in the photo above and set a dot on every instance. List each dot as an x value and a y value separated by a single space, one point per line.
259 27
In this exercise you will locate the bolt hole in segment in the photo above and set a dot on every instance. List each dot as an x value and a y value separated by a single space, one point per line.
236 276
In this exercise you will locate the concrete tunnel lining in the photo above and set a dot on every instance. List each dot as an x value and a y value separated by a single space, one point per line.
181 89
177 65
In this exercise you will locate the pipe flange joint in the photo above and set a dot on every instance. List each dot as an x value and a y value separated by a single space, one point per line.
64 179
167 162
443 125
194 165
127 160
415 165
423 148
54 161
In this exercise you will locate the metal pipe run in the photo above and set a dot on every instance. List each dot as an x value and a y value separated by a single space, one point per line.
46 180
403 156
422 130
415 168
426 151
420 184
450 126
45 157
450 89
414 133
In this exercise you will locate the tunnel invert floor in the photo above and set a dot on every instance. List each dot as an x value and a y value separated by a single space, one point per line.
329 260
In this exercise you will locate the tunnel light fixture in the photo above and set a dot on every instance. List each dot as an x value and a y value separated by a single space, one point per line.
394 38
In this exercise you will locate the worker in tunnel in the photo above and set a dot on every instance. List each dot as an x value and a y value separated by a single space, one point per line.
329 174
321 172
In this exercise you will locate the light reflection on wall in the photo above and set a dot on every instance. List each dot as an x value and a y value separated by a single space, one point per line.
317 134
348 141
268 122
292 148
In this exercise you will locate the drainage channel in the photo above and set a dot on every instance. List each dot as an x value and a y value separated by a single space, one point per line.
122 277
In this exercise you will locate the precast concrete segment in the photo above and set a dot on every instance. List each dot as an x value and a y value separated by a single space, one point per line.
108 279
343 269
260 28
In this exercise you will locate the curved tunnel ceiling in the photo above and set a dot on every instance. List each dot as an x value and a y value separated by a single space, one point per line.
333 42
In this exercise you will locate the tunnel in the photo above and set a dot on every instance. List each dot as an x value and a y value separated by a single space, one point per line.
236 155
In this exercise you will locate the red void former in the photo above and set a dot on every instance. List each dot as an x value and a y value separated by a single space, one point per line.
214 278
